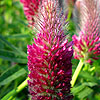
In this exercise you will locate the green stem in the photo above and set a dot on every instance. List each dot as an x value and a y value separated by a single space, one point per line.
69 14
15 91
76 73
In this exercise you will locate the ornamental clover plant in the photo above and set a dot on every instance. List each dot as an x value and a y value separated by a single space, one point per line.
49 55
49 58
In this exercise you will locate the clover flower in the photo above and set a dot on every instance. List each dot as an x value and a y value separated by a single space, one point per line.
87 44
30 9
49 57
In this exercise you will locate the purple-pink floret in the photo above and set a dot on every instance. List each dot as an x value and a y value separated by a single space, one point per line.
49 58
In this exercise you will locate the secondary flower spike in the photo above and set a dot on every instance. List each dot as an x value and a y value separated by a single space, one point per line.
87 44
49 58
30 9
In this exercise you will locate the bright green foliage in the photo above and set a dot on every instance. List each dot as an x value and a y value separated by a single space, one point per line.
14 37
88 83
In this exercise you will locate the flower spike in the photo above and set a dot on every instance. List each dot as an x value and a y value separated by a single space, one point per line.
87 44
30 9
49 58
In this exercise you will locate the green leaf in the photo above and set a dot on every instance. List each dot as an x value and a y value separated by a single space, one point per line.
77 89
9 53
1 44
18 36
12 56
84 93
90 84
97 69
88 76
10 71
13 76
12 46
22 22
11 93
5 89
8 2
17 60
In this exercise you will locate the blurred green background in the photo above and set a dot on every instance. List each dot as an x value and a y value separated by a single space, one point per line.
14 37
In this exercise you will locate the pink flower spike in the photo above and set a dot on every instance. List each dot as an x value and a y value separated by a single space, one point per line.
87 44
49 57
30 9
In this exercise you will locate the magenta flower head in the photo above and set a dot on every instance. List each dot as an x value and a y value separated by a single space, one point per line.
87 44
49 57
30 9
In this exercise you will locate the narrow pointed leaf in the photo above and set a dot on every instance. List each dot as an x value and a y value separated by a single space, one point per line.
12 46
14 76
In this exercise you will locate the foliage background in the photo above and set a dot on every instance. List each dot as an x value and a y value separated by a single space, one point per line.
14 37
